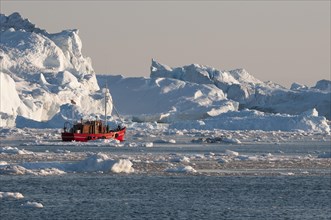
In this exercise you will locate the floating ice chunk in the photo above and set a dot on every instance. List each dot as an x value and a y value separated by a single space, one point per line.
199 156
183 159
179 133
231 153
182 169
13 195
32 169
101 163
29 204
106 141
287 174
49 171
148 144
130 144
210 154
14 170
3 163
231 140
94 163
13 150
143 144
122 166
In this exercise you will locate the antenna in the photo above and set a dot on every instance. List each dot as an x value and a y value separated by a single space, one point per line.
106 101
73 103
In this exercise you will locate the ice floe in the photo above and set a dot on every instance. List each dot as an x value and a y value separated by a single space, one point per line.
13 150
29 204
11 195
181 169
93 163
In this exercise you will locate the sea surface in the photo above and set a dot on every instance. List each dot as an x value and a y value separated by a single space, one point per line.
304 192
100 196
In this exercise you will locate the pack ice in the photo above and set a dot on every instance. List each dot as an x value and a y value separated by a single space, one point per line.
41 73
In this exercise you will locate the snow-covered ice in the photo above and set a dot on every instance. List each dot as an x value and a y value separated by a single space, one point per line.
40 72
12 195
101 162
13 150
272 153
98 162
37 89
29 204
231 153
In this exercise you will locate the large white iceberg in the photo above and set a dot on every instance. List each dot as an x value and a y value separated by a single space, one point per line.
42 71
42 74
239 85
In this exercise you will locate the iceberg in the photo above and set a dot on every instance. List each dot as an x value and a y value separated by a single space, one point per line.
238 85
40 72
43 73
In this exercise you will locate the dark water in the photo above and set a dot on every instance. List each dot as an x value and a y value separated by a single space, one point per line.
94 196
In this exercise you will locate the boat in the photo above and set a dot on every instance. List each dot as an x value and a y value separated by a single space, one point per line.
86 130
91 130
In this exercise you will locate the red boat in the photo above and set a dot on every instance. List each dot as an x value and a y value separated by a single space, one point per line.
91 130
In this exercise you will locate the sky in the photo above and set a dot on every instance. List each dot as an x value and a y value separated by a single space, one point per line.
280 41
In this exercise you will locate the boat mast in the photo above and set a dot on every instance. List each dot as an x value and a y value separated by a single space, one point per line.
73 103
106 100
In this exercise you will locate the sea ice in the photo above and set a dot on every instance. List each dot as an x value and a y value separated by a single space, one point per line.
29 204
231 153
13 150
13 195
182 159
122 166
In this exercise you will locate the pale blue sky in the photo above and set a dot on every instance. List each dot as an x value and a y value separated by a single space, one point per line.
285 42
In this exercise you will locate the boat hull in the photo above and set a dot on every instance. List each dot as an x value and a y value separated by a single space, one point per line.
83 137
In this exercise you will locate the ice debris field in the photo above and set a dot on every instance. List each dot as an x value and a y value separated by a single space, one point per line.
164 151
